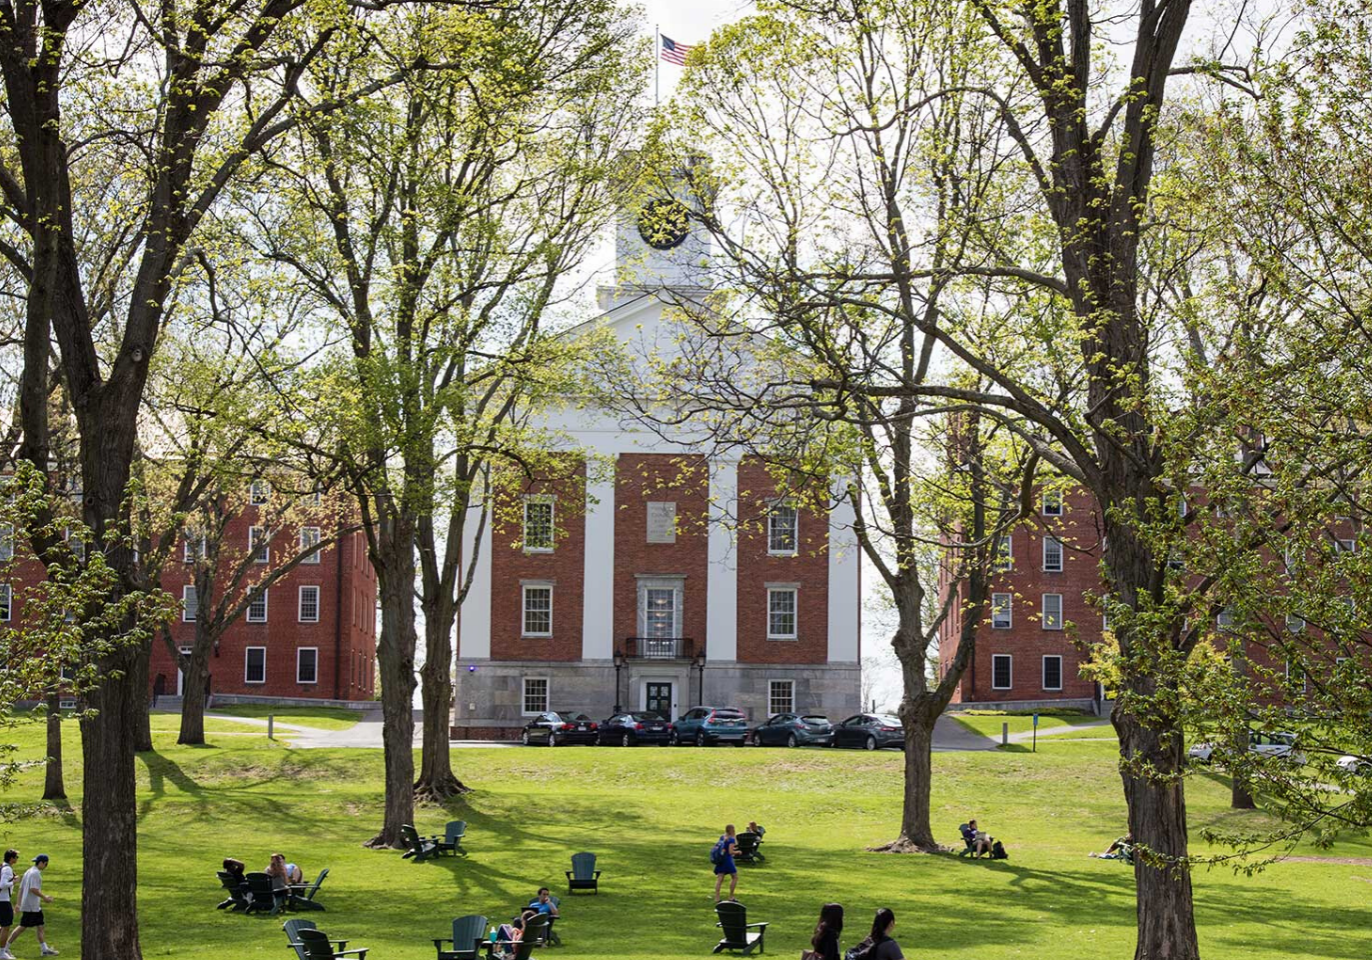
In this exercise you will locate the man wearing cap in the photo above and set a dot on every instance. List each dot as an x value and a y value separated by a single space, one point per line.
31 900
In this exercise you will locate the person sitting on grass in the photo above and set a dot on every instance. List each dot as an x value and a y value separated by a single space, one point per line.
1121 849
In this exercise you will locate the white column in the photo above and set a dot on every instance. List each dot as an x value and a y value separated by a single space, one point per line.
844 599
598 601
722 580
474 620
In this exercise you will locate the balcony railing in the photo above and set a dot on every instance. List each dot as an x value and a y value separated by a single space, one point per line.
658 648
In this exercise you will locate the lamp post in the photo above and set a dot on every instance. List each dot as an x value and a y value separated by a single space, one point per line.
619 662
698 661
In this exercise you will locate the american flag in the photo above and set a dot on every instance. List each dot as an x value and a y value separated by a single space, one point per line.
674 52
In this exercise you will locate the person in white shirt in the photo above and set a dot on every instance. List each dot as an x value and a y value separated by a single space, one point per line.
31 900
6 905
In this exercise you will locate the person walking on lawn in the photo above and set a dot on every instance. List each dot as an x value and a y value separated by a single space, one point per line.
724 862
6 904
31 900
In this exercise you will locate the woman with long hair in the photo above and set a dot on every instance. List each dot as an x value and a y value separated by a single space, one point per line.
825 939
884 947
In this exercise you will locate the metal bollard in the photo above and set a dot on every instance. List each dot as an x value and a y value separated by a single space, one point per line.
270 718
1005 734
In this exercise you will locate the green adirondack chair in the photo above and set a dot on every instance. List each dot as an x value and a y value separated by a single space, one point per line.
319 947
468 934
263 898
738 935
417 848
452 838
583 875
535 930
304 899
293 929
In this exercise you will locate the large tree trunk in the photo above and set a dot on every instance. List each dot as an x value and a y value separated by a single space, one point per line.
53 787
193 697
143 741
1157 819
916 829
436 778
395 652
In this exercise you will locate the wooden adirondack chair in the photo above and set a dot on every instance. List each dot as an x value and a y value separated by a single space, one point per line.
263 898
304 899
733 920
320 947
469 933
550 933
583 875
417 848
452 838
748 851
535 931
293 928
237 893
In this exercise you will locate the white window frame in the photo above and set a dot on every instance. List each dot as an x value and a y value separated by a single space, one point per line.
6 541
189 596
1009 610
247 661
1004 561
551 504
300 603
1043 612
524 696
1062 555
259 492
1010 670
784 588
1224 620
298 652
1051 503
248 614
524 589
265 553
1294 623
773 530
305 542
6 602
772 685
1046 658
195 548
677 586
1346 545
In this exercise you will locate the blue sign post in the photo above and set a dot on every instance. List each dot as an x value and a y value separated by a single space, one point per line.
1036 733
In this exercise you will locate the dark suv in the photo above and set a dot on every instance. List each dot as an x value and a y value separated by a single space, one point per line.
702 725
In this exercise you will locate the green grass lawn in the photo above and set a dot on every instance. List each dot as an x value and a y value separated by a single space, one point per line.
652 814
989 724
320 718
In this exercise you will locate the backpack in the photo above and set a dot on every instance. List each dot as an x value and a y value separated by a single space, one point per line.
717 853
862 951
998 851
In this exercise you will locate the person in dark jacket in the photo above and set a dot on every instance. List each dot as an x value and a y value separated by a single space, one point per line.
825 940
883 945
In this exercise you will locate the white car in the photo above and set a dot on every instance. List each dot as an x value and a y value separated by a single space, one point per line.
1354 765
1282 745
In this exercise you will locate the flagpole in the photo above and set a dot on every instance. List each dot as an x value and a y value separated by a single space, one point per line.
657 65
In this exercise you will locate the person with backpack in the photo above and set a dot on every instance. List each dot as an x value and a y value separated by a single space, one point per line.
880 945
824 943
722 856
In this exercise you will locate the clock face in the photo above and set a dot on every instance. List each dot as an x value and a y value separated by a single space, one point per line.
663 224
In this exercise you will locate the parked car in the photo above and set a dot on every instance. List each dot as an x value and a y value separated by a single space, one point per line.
870 730
1282 745
1355 765
557 729
791 730
629 729
702 725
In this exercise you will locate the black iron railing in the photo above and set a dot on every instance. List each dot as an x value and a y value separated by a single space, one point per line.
658 648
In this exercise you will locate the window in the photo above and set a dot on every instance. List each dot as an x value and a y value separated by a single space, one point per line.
255 665
660 604
1052 555
197 547
1005 554
781 697
258 538
309 604
6 600
1183 508
1225 619
1295 676
1001 618
307 665
75 544
6 541
535 696
1342 545
538 610
538 525
781 613
190 604
783 528
1001 672
1052 611
661 519
1052 673
1294 623
259 493
257 609
309 537
1052 503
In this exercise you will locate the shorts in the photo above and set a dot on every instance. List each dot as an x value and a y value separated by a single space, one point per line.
6 913
31 918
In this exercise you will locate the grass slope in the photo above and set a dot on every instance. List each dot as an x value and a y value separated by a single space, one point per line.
651 814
